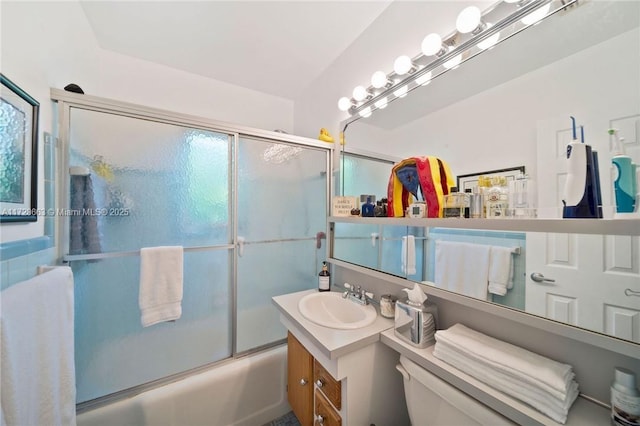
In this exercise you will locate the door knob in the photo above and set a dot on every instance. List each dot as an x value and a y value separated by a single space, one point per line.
303 382
319 419
319 383
539 278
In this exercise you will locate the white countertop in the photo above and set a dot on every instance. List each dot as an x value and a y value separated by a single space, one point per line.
333 343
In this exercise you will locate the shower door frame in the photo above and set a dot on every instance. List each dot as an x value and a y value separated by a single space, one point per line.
62 115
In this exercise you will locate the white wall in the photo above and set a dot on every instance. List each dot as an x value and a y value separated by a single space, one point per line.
50 44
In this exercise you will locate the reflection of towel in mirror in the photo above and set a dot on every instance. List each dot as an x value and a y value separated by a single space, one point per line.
83 222
408 255
500 270
462 268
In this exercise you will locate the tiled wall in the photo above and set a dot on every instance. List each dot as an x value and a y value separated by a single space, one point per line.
19 259
515 297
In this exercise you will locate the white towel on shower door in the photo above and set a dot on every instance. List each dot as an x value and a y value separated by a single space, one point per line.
160 296
462 268
37 373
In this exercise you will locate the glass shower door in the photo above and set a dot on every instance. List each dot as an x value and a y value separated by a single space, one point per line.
282 212
144 183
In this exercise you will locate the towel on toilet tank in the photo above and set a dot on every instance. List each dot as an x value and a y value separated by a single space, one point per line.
160 297
545 384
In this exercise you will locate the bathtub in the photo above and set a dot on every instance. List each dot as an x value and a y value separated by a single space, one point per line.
249 391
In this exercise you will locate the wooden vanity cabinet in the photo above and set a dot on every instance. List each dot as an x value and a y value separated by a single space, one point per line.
300 380
303 372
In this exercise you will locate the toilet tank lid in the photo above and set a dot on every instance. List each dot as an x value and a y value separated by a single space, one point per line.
453 395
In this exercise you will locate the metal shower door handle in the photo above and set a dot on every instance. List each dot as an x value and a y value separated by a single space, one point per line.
539 278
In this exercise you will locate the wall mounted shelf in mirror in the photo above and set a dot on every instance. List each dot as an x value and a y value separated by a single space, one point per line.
629 227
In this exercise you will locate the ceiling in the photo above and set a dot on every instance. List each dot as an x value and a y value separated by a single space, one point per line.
275 47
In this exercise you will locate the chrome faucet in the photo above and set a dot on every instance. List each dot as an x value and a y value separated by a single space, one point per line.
357 294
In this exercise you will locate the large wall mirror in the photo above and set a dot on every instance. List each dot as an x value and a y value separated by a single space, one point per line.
509 107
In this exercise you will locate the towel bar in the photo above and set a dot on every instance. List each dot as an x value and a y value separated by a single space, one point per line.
98 256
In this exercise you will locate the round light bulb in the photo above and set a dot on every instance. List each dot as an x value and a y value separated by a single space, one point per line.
490 42
381 104
401 92
402 65
468 20
424 79
431 44
344 103
360 93
365 112
378 79
536 15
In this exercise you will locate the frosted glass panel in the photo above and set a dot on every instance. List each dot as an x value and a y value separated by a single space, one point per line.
358 243
282 193
282 190
150 184
264 271
114 352
363 175
354 244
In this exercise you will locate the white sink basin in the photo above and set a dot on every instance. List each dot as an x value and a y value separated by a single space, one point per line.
329 309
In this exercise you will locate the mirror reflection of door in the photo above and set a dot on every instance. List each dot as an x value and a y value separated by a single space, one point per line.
586 276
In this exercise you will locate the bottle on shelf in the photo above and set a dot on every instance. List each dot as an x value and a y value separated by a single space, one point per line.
324 278
367 208
456 204
496 199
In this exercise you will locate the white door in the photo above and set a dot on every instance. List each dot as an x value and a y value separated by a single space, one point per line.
596 278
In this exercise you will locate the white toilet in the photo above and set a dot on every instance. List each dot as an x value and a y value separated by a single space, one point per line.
433 402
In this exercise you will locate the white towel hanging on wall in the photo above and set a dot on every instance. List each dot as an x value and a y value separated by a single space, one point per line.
462 268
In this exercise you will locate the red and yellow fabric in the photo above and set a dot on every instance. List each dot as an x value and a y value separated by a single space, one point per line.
435 179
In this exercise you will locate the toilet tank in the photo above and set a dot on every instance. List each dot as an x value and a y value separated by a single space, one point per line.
433 402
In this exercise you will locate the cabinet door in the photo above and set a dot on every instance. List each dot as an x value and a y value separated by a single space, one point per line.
300 380
326 415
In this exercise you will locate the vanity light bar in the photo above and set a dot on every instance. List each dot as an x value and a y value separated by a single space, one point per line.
498 23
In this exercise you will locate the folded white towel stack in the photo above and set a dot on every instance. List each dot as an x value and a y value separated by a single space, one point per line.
500 270
160 297
37 376
546 385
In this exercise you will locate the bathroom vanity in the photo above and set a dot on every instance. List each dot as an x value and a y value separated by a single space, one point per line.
347 377
359 383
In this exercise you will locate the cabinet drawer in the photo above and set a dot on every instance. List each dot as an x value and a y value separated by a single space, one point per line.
325 413
329 386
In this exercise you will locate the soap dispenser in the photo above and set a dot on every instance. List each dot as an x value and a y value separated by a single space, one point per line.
324 278
416 318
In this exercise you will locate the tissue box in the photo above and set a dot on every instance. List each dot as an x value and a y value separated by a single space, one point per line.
416 324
